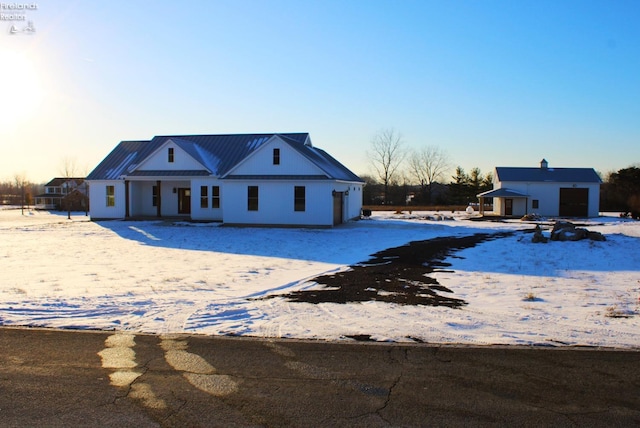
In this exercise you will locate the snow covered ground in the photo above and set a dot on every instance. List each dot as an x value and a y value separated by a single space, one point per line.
162 277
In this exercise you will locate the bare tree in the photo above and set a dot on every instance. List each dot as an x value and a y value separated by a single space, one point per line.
428 165
386 155
21 185
68 171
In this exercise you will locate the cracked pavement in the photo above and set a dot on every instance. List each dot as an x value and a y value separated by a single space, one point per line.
65 378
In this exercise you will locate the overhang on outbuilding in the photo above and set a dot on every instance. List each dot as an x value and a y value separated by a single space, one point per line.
502 192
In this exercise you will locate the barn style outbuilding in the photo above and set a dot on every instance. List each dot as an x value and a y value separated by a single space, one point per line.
546 191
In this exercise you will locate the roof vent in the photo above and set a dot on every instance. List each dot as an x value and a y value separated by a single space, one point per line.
544 164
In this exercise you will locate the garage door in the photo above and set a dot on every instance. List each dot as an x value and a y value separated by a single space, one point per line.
574 202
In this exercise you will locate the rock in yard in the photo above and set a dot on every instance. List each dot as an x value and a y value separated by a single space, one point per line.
566 231
538 237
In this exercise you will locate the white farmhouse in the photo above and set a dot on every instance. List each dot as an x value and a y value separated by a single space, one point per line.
240 179
551 192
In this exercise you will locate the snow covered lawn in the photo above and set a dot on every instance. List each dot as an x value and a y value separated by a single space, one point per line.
163 277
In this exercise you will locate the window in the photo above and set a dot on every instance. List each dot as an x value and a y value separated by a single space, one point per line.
534 204
276 156
299 199
204 197
170 153
111 196
215 196
252 198
154 198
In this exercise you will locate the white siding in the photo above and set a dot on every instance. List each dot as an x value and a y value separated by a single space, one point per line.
276 203
141 199
141 196
208 213
170 198
98 199
160 160
291 162
594 199
353 201
548 196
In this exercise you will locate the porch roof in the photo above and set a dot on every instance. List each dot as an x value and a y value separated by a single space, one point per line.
502 193
170 173
276 177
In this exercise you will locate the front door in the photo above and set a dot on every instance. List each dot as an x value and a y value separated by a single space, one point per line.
508 207
184 201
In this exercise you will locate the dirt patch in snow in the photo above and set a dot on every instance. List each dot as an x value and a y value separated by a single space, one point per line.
395 275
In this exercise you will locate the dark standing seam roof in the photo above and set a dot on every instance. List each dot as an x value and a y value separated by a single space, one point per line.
121 159
552 175
59 181
502 193
217 153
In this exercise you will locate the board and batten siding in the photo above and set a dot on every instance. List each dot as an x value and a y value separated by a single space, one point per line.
98 199
276 203
209 213
291 162
160 160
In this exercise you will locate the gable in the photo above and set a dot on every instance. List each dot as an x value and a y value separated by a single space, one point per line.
263 160
173 155
220 155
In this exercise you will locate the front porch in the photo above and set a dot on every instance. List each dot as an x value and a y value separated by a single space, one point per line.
157 199
506 202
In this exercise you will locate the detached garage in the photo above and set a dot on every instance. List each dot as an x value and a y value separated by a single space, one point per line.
551 192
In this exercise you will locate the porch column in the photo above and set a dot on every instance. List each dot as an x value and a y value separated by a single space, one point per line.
159 199
126 199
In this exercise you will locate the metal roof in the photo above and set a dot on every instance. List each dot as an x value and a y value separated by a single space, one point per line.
276 177
172 173
217 153
555 175
59 181
502 193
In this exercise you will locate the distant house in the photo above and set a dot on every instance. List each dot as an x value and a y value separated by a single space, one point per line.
64 194
242 179
552 192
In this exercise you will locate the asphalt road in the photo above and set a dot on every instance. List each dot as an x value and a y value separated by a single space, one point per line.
62 378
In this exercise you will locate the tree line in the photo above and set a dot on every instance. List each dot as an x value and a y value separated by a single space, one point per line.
417 176
621 192
410 176
19 191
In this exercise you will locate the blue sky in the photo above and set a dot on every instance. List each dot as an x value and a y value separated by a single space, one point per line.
493 83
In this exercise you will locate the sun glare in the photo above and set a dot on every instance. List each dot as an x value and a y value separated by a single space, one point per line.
21 89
